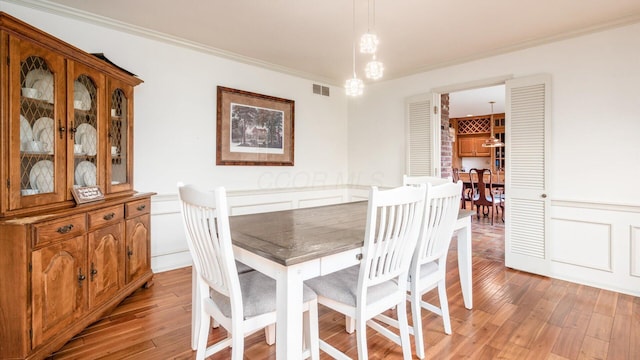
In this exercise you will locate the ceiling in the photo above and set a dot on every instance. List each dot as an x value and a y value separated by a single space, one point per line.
313 38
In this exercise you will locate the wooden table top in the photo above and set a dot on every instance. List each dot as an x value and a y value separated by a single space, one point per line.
293 236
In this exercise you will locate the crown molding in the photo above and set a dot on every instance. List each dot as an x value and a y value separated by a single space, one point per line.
66 11
69 12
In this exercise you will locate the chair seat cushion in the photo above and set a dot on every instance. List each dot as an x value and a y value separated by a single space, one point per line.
258 295
342 286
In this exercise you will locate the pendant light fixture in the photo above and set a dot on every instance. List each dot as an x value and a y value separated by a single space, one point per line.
374 69
492 142
369 41
354 86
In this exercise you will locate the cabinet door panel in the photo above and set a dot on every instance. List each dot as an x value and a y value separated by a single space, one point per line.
138 250
37 146
466 146
59 287
120 130
106 260
481 151
86 161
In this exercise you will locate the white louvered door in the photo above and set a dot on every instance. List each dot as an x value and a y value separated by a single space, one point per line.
423 135
527 149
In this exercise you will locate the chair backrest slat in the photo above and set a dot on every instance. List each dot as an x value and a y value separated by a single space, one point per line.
393 228
441 213
206 222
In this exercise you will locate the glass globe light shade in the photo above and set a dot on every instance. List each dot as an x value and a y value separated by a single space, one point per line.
354 87
368 43
374 69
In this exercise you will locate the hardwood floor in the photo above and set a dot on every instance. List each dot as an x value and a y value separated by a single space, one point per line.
516 315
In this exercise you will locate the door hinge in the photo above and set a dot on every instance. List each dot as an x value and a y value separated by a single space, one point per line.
30 267
435 110
8 183
8 60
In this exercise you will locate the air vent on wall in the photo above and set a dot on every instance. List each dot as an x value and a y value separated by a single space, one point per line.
320 90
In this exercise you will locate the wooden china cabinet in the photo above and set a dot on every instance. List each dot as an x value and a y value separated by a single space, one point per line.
471 132
66 123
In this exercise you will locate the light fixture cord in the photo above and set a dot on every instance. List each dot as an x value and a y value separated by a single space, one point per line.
374 15
353 39
491 102
368 16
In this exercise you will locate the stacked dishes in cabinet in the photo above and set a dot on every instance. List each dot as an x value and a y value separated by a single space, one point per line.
40 178
85 174
86 137
86 144
38 139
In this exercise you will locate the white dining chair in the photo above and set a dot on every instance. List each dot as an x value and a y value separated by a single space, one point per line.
241 303
428 266
379 283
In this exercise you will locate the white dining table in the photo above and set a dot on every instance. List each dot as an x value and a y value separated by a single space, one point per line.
295 245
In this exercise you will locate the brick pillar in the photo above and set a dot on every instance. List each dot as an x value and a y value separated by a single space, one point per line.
446 146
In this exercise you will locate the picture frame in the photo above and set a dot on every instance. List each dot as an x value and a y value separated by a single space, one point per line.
254 129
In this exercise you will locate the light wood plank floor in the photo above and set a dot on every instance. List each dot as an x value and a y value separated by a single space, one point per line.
516 315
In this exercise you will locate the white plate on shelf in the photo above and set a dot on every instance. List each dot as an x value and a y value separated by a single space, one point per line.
43 131
82 96
85 174
87 136
35 75
41 176
26 133
45 88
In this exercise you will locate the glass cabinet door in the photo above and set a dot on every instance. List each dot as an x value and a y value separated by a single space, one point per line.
37 149
86 150
120 136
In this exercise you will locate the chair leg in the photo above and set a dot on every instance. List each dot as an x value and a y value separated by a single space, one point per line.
311 338
403 325
350 324
444 306
203 334
237 340
416 314
361 338
270 334
493 212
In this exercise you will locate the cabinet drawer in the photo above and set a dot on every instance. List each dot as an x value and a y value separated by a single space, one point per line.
110 215
56 230
136 208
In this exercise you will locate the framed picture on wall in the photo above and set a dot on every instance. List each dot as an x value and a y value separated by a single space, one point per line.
253 129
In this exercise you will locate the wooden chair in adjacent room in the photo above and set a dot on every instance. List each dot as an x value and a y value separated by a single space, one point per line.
466 192
483 194
241 303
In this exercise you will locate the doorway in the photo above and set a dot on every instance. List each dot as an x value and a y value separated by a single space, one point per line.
468 118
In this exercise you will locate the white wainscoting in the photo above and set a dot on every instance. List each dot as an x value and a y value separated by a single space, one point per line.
596 244
168 244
